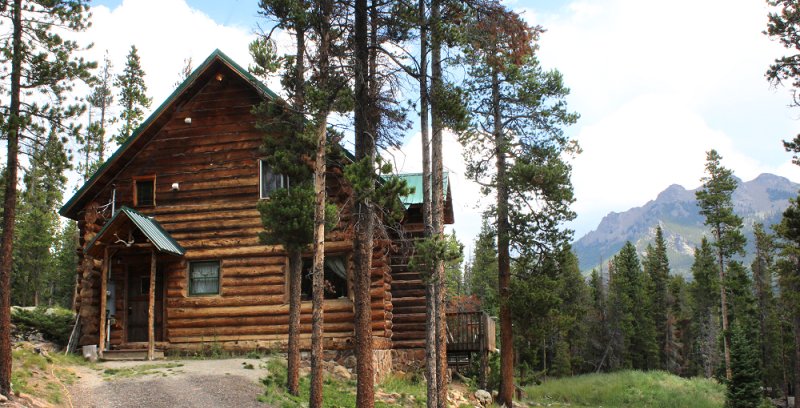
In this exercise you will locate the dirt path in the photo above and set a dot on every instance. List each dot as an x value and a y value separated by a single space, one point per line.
169 384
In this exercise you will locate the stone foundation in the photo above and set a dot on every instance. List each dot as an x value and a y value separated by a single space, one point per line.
408 359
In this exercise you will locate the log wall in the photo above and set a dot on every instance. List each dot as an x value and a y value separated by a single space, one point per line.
213 215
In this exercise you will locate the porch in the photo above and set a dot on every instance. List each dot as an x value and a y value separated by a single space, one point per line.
135 251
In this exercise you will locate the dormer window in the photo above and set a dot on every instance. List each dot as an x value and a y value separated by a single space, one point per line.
144 191
269 181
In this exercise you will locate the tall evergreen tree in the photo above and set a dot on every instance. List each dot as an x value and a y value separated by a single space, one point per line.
656 266
520 112
599 332
132 95
66 257
716 205
704 292
630 311
102 98
41 67
38 225
678 344
483 282
744 387
763 268
789 277
784 25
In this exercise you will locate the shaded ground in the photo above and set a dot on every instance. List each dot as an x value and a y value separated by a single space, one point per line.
172 384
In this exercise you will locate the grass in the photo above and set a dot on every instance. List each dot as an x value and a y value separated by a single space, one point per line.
337 392
43 377
629 389
139 370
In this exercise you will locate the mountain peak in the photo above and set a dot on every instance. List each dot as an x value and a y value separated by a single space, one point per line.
675 192
675 209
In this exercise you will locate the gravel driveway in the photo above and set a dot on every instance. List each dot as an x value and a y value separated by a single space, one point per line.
195 383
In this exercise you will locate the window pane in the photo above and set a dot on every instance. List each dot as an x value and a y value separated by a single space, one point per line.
144 193
204 278
335 285
270 181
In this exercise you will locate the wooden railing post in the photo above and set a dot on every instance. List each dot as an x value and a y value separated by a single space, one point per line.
101 343
151 306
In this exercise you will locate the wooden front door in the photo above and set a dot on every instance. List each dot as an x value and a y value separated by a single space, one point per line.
138 292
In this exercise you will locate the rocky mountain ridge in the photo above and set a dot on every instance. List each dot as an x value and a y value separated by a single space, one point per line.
762 199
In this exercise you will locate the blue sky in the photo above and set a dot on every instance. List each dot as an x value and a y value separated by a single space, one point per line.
657 84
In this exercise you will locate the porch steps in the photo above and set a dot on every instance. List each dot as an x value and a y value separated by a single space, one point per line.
130 354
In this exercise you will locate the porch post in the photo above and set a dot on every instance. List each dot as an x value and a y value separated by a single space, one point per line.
151 304
101 345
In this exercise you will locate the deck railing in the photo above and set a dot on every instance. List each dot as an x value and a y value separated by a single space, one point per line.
470 332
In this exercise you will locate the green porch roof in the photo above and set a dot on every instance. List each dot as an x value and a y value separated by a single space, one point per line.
414 180
151 229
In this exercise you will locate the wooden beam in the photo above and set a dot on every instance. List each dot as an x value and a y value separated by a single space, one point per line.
103 300
151 306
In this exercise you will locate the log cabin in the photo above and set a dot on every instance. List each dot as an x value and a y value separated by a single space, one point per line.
170 257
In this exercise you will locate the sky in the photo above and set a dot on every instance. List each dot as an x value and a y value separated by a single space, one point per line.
657 84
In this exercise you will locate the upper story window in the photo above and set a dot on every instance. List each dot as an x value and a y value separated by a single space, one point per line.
269 181
144 191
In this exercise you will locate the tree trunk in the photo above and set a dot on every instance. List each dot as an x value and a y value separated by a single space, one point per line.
437 202
293 352
10 205
318 281
796 321
362 242
296 260
726 343
506 394
430 285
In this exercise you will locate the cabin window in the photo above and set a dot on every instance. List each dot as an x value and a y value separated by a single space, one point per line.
335 277
204 278
144 191
269 181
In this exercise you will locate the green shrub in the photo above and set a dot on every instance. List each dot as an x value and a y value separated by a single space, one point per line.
55 324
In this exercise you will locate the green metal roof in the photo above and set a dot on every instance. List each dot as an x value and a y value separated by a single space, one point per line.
216 55
414 180
149 227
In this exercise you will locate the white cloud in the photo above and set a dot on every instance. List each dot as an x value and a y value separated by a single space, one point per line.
657 85
165 32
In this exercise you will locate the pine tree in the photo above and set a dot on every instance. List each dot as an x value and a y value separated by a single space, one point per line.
716 205
132 95
704 292
656 266
744 387
785 27
599 332
520 113
789 277
66 257
102 98
630 310
769 334
678 344
38 224
41 67
484 270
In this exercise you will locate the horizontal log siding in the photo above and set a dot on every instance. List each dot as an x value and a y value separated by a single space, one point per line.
213 216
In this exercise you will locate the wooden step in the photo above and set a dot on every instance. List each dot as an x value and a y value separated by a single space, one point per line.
130 354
